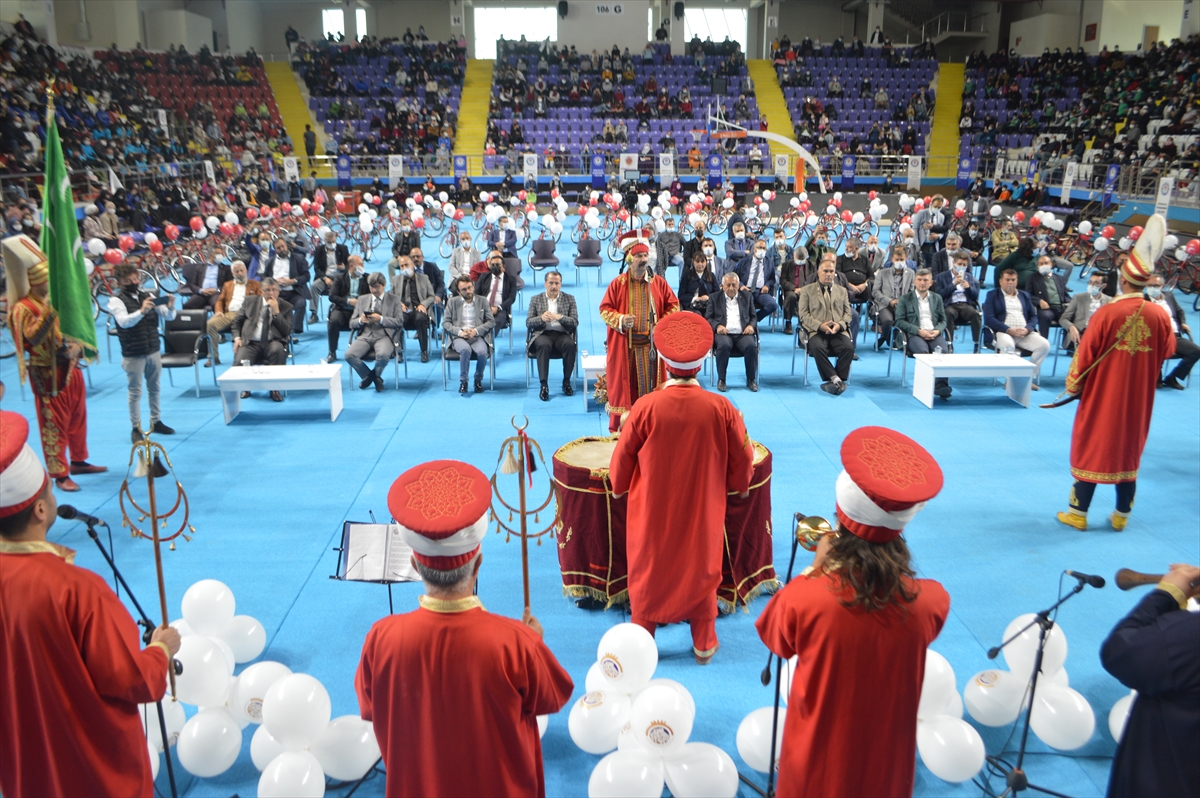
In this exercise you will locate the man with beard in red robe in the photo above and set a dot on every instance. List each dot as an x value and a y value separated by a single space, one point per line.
453 691
72 672
675 538
860 625
635 302
1114 373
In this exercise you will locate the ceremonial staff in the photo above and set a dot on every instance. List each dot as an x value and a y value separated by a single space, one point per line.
521 463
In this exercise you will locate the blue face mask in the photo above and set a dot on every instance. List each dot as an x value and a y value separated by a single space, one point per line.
1154 291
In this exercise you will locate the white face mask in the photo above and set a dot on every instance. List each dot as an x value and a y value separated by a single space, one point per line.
739 236
1094 290
1044 269
1154 291
408 272
899 266
466 244
760 253
708 251
780 244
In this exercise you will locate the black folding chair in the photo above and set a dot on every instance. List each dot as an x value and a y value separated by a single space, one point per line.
185 341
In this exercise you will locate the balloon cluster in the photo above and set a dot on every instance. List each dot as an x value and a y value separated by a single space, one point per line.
1062 718
296 744
648 722
949 746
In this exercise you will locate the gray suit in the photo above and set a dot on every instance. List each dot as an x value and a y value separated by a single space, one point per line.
374 336
543 343
272 349
479 344
883 292
1078 311
413 319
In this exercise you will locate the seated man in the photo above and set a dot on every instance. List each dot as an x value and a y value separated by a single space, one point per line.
1186 350
229 304
204 283
430 269
670 243
960 295
552 321
376 315
406 240
856 268
890 285
416 296
1010 314
503 236
343 294
921 316
1079 310
794 274
263 330
943 260
737 247
731 314
498 288
757 277
290 270
461 260
469 321
1049 293
825 316
716 264
329 262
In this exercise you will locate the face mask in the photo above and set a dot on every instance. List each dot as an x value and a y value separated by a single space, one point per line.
1094 290
739 236
708 251
1044 269
1154 291
760 253
871 247
779 243
404 228
494 268
408 272
466 244
908 242
898 266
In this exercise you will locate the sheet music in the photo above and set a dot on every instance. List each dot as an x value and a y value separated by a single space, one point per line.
366 552
399 558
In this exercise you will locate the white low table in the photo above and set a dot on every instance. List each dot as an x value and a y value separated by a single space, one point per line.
309 377
593 367
1017 371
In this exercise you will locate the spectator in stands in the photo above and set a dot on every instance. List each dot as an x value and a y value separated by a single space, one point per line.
1079 310
1049 292
1011 315
922 318
1186 350
960 296
825 315
881 99
890 285
731 314
469 323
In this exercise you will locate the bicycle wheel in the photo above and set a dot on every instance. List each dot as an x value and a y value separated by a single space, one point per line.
522 238
614 251
478 220
433 226
577 231
718 224
446 248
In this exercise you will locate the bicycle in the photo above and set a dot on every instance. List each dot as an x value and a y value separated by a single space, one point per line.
449 240
1184 275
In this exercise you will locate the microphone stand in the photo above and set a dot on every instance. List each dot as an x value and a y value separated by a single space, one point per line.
149 627
1015 776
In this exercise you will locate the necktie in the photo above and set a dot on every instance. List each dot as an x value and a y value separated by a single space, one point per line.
755 272
265 334
495 288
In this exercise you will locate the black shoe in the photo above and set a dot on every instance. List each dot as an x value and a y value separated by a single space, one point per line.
787 328
567 389
1172 382
162 429
753 386
378 384
840 387
331 357
479 385
424 356
365 381
544 393
295 339
313 319
721 386
136 436
245 394
462 387
276 396
855 356
943 392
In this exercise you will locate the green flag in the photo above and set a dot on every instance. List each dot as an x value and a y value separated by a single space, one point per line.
70 289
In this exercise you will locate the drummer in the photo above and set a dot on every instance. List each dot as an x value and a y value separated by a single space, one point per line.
674 538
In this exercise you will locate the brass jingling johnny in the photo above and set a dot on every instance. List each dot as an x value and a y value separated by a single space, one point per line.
509 463
149 457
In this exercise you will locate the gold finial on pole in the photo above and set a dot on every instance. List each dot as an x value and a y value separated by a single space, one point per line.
527 452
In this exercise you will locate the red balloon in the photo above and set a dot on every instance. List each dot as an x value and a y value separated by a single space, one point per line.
708 200
114 256
1035 221
1193 247
1109 231
287 207
926 200
837 203
1019 216
871 195
804 206
417 198
197 223
847 216
156 247
252 213
304 204
376 200
341 207
126 243
529 207
729 195
582 210
171 232
317 207
225 228
674 200
758 200
419 222
960 213
314 222
592 201
458 214
624 214
554 193
1135 233
238 230
521 195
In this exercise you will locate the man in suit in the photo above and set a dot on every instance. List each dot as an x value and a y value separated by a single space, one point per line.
929 226
737 246
890 284
290 270
229 303
405 240
1049 293
1079 310
825 316
757 278
552 321
262 330
376 314
694 244
204 283
716 264
329 262
877 256
416 296
503 238
498 288
944 259
469 322
921 316
856 268
1186 350
461 260
430 269
731 314
779 252
343 295
1011 315
959 291
794 274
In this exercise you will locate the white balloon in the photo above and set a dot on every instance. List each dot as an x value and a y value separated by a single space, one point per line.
786 674
1118 716
754 738
627 739
961 205
556 228
811 219
693 219
364 217
1020 653
954 706
209 743
296 710
90 266
297 210
173 714
443 196
1047 216
264 748
628 656
1125 243
543 721
208 606
751 213
252 687
1100 244
362 207
701 770
246 636
1170 241
347 748
676 685
1059 677
339 197
212 222
1085 227
1062 718
765 210
596 719
995 211
514 200
905 227
803 197
657 213
230 217
205 676
418 212
323 231
292 774
1180 254
794 202
627 774
994 697
837 195
662 718
367 226
394 213
595 679
830 210
592 222
937 686
727 202
150 238
883 208
857 218
230 695
183 627
201 234
660 226
950 748
155 759
227 651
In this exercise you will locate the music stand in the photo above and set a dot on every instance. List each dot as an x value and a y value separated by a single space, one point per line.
371 552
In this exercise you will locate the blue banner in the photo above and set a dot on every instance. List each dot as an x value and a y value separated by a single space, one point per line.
965 167
714 171
597 171
848 172
1032 173
460 166
343 171
1110 183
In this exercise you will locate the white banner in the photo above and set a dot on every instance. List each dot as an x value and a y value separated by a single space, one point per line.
781 167
1162 200
998 175
162 118
915 162
666 167
395 170
209 173
529 165
291 169
1069 174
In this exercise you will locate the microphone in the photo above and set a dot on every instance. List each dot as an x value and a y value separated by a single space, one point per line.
1094 581
69 513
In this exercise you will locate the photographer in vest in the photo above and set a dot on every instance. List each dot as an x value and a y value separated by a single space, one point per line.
136 313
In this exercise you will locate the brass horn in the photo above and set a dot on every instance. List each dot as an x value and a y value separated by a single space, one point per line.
810 530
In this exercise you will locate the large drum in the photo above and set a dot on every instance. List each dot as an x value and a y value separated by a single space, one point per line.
590 529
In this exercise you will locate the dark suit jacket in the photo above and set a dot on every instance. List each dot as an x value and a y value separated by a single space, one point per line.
344 287
249 318
794 275
436 278
506 238
944 285
320 258
195 277
508 291
908 313
717 316
1176 311
994 310
297 270
690 248
404 243
690 283
747 263
1036 286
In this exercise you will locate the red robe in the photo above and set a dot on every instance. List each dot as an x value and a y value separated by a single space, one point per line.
628 366
675 530
1113 418
72 673
454 694
851 726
